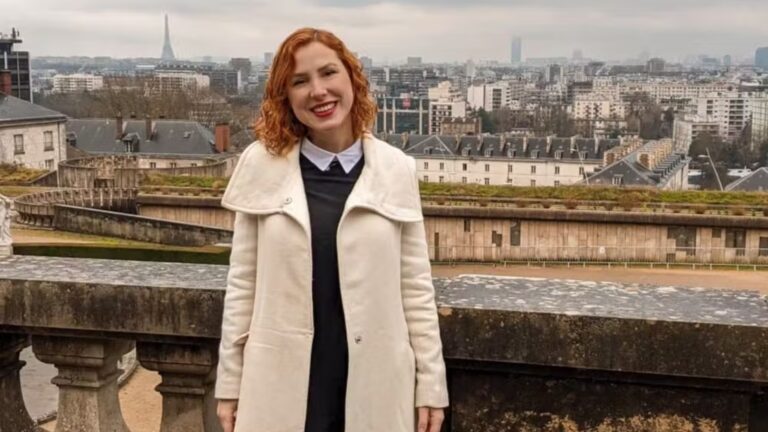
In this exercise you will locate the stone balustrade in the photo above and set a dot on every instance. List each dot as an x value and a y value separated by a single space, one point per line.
522 354
38 209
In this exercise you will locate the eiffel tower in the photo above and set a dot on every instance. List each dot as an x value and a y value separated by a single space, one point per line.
167 50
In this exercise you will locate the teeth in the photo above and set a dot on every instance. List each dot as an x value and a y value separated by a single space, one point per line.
323 108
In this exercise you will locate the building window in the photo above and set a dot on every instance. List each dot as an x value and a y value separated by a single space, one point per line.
172 164
557 183
717 232
442 166
426 178
736 239
514 233
496 238
582 155
467 225
685 239
193 164
440 179
487 167
487 181
426 165
618 180
463 167
557 170
533 183
763 247
559 154
581 171
49 164
18 144
509 168
533 169
463 179
47 141
153 164
535 154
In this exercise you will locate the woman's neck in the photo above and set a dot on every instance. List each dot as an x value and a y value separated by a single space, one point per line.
334 141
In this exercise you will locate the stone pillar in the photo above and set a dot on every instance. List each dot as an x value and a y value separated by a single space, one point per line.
188 374
87 381
13 414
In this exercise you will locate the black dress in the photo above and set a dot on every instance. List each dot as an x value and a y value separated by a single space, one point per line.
327 192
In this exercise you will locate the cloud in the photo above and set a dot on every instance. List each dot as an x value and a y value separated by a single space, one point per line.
443 30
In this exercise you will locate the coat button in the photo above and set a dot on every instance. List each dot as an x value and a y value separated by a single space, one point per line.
358 339
288 200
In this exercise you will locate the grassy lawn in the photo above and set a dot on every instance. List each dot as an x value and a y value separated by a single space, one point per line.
565 193
14 191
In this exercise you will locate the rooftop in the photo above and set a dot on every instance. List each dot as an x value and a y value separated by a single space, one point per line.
181 137
14 110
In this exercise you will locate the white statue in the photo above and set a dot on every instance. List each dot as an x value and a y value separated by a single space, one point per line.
6 215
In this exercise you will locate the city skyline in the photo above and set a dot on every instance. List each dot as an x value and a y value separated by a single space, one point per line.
239 28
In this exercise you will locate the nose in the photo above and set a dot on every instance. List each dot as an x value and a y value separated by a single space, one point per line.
317 90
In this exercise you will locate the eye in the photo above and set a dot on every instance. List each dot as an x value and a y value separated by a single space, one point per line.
297 82
329 72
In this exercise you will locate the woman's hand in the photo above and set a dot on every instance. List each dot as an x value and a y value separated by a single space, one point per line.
430 419
226 410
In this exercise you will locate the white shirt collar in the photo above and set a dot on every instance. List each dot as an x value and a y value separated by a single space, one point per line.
323 158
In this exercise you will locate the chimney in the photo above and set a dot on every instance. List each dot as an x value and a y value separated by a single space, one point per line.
5 82
222 137
645 160
149 128
610 158
119 126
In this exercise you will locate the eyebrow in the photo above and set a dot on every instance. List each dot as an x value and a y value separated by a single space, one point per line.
326 66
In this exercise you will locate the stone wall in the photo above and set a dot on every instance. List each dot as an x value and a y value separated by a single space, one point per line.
522 354
132 227
497 233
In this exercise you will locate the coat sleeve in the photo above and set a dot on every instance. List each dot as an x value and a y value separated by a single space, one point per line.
420 310
238 306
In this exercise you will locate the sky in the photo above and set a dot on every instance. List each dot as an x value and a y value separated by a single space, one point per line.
390 31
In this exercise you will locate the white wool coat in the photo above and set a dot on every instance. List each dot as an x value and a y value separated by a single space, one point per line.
395 352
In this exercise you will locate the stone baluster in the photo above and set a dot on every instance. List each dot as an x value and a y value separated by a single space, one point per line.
87 381
13 414
188 374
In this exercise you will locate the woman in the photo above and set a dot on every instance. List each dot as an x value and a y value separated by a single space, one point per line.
330 323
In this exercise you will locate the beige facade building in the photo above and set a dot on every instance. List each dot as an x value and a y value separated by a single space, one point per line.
503 160
688 128
77 83
759 122
31 135
731 110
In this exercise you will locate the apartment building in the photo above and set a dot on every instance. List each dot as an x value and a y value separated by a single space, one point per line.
77 83
503 160
687 128
732 110
759 122
651 164
496 95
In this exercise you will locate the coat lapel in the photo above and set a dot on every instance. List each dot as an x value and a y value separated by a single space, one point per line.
263 183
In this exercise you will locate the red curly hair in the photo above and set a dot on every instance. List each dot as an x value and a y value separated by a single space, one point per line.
277 127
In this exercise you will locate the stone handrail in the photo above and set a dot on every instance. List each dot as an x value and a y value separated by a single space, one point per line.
522 354
123 171
38 208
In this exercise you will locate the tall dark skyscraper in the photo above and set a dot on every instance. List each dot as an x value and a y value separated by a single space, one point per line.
761 58
167 49
516 53
17 63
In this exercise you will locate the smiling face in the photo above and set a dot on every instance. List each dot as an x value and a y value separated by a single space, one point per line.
320 91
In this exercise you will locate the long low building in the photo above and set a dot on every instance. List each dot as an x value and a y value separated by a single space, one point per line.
501 160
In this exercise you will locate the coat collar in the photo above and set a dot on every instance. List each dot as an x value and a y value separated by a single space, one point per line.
263 183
